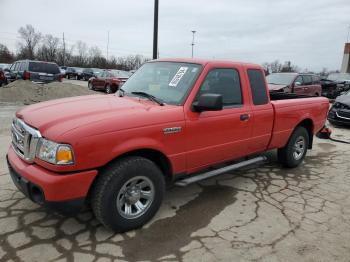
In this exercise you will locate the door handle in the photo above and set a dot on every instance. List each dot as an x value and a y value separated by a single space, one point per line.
244 117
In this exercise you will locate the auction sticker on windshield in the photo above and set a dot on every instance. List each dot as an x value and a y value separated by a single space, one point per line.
176 79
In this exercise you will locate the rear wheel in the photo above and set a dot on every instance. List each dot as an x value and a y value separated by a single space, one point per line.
128 193
108 89
294 152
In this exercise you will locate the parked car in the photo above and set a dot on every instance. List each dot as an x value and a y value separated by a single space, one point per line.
330 88
8 74
342 80
79 72
71 73
3 80
91 72
108 80
171 122
339 114
5 66
36 71
302 84
63 70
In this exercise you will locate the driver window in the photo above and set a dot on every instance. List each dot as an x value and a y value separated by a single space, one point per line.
299 79
225 82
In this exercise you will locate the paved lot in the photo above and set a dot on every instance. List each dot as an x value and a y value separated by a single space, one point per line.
261 214
76 82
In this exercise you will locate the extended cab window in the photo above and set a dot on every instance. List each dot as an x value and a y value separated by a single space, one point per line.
225 82
257 85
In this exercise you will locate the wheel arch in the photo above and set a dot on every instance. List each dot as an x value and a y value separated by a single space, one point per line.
308 124
156 156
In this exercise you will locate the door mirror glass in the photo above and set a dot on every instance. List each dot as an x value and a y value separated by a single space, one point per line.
208 102
297 84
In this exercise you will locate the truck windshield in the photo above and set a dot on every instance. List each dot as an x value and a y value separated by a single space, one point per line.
169 82
280 79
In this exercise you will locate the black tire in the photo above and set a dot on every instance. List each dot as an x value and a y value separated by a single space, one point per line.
109 185
91 86
291 155
108 89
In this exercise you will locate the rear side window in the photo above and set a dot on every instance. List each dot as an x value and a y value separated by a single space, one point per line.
257 85
307 80
316 80
22 66
43 68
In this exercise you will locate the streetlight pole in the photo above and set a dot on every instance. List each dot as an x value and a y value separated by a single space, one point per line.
107 44
155 30
193 32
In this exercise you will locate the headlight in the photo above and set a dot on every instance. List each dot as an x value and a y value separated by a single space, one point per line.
58 154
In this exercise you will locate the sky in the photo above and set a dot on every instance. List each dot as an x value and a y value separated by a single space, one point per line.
309 33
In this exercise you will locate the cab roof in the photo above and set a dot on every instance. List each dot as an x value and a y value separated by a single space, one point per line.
206 61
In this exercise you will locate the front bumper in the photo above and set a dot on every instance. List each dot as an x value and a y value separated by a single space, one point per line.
335 118
59 191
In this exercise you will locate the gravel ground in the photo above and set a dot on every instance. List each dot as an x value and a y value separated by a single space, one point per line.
27 92
261 214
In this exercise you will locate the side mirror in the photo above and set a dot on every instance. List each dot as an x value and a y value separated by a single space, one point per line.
297 84
208 102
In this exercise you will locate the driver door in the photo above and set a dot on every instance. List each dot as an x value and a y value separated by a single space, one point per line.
216 136
299 86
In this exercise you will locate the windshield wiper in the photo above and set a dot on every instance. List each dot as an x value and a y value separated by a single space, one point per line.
149 96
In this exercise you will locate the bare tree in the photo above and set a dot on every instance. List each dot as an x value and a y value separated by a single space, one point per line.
30 40
5 55
81 57
48 51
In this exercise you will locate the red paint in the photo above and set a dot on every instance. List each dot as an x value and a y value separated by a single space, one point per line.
101 128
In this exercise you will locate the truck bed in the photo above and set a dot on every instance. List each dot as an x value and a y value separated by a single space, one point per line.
290 110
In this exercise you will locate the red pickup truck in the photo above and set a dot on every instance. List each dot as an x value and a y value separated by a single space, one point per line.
170 122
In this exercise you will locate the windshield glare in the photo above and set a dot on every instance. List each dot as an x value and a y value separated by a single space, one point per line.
280 79
167 81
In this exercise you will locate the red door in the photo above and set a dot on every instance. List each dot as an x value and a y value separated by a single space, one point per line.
216 136
299 86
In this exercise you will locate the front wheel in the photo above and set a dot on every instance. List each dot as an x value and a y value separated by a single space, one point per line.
91 86
128 193
294 152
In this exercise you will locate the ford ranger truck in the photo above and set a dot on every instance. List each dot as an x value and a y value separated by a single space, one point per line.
172 121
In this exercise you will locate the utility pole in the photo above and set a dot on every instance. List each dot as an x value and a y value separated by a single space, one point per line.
155 29
107 44
193 32
64 51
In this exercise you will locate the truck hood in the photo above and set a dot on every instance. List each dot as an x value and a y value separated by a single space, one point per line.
95 114
273 87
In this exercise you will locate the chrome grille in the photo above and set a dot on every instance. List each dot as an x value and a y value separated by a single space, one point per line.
24 140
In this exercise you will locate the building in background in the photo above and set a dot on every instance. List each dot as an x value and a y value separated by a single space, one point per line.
345 66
